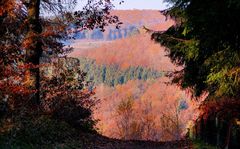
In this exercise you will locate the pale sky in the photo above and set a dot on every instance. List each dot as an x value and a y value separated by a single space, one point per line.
135 4
141 4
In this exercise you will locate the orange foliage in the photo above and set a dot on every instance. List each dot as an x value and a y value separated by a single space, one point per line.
155 113
149 18
224 108
155 103
136 50
129 52
7 6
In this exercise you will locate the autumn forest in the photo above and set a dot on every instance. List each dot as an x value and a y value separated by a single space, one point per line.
98 77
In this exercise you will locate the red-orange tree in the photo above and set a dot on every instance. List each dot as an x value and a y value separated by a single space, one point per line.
26 37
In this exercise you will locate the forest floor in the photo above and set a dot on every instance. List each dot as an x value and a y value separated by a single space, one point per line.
91 141
49 134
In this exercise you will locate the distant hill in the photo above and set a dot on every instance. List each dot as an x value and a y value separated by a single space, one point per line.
135 51
131 48
132 21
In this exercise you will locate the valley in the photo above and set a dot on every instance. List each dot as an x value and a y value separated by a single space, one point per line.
127 71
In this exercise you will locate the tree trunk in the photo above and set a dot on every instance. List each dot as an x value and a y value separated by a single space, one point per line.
34 47
217 131
177 125
178 133
228 137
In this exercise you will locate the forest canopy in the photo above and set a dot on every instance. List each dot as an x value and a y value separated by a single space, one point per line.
29 42
205 40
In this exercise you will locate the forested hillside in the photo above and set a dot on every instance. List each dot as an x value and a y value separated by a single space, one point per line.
127 52
112 75
99 78
144 110
132 21
137 100
111 34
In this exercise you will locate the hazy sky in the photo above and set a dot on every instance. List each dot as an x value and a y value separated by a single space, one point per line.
141 4
135 4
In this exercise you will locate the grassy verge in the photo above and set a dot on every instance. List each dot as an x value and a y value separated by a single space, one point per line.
197 144
42 133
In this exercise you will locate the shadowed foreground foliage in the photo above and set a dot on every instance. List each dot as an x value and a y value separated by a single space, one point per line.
47 133
205 41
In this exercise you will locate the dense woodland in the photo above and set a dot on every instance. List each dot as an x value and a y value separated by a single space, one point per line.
48 100
135 111
112 75
205 40
113 34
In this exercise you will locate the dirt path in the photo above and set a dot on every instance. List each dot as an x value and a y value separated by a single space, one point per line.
100 142
143 145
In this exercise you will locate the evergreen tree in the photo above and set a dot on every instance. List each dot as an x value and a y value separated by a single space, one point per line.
113 75
110 35
206 41
125 32
120 34
97 34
